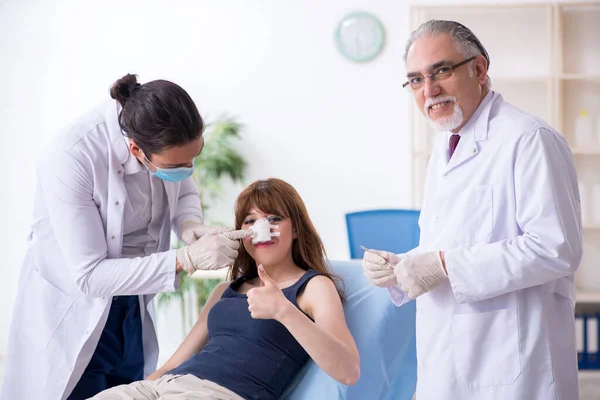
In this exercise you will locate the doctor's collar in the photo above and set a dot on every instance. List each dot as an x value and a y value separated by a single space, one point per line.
476 122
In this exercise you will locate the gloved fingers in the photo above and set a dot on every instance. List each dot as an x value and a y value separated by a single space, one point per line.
273 226
215 267
369 266
376 274
223 263
228 252
213 242
224 241
373 258
211 230
275 234
239 234
220 229
420 274
381 280
415 292
439 265
373 262
184 259
392 258
194 230
187 231
202 230
188 238
406 287
386 281
403 274
221 258
382 253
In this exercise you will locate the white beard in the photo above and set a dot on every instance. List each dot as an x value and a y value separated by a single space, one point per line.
448 123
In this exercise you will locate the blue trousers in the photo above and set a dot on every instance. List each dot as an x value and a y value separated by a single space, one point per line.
119 356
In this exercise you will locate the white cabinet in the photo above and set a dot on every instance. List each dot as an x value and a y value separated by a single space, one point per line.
545 59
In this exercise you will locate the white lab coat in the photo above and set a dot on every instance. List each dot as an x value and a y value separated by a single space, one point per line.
73 268
506 210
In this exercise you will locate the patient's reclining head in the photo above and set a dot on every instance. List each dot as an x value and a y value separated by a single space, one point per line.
298 240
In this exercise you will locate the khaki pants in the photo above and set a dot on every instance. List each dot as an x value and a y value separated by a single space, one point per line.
169 387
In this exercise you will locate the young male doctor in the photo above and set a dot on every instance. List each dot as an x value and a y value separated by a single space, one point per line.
500 236
109 192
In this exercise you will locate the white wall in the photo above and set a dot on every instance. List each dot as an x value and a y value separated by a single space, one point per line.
335 130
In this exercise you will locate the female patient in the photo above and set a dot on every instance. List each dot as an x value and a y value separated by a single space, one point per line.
256 332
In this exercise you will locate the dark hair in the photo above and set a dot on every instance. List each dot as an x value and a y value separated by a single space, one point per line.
156 115
279 197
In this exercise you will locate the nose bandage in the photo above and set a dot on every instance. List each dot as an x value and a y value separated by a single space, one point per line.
260 232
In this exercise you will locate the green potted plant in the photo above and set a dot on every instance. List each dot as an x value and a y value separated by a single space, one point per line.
218 160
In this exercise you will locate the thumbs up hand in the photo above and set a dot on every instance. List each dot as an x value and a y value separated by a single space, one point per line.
268 301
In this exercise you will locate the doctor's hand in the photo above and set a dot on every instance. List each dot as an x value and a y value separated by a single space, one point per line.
376 268
212 251
194 230
268 301
421 273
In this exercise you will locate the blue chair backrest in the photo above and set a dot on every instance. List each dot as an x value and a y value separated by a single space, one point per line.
385 337
391 230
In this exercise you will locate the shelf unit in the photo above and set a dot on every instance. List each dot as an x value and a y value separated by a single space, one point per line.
591 151
580 77
552 73
584 296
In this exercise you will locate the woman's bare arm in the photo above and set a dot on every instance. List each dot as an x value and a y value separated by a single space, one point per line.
196 339
327 340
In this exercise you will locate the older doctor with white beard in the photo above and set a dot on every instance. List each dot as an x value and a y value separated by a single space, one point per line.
500 236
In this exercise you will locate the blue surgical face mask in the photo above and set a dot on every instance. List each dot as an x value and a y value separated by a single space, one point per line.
171 174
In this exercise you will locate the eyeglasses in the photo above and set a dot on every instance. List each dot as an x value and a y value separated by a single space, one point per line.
416 82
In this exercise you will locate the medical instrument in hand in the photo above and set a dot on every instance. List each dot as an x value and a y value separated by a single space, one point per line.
366 249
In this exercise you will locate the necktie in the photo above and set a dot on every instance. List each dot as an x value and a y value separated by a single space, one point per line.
453 143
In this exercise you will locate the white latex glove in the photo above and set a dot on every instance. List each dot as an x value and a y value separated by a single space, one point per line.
194 230
212 251
421 273
376 268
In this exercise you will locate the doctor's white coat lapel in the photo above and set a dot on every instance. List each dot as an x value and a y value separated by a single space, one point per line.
474 131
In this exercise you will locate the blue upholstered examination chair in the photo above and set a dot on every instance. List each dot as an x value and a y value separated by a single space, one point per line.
385 336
